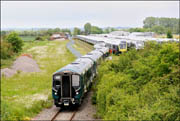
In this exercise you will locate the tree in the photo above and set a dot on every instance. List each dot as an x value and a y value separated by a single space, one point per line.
76 31
169 34
87 28
66 30
166 23
158 29
149 22
57 30
106 31
113 29
96 30
16 42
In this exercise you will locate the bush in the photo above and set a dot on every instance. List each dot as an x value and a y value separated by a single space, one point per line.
15 41
169 34
39 38
6 50
141 85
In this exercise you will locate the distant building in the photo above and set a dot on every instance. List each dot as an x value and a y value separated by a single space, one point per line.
142 34
59 36
120 33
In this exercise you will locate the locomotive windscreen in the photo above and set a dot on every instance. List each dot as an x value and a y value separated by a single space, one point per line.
66 86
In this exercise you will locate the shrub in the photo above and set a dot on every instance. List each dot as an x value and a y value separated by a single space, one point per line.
39 38
169 34
6 50
141 85
15 41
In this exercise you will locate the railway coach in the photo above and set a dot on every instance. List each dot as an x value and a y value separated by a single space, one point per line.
71 82
115 46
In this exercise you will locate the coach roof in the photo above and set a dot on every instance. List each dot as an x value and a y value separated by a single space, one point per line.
79 66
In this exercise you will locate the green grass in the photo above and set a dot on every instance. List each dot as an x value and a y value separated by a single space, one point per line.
7 62
28 38
82 47
26 94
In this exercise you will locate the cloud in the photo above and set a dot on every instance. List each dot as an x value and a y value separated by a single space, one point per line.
77 13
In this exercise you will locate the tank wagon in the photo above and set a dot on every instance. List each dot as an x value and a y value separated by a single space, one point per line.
70 83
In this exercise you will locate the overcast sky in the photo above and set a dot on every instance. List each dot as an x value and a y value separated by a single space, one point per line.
32 14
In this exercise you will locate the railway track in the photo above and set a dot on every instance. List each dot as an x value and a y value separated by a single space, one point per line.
59 113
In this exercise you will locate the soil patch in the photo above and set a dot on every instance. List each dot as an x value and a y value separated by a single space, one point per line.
24 63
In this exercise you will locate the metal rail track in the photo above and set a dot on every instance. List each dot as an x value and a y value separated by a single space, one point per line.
70 119
74 113
54 117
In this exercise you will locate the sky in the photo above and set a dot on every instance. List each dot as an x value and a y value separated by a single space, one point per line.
52 14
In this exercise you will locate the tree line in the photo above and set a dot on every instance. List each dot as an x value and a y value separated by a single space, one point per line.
90 29
40 32
159 25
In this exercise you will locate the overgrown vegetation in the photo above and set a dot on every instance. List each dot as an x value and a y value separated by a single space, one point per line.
6 50
140 85
26 94
11 46
82 46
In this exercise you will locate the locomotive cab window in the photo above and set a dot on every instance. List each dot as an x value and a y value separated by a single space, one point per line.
56 80
123 45
75 80
57 77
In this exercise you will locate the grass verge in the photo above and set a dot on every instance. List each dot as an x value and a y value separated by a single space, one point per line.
82 47
26 94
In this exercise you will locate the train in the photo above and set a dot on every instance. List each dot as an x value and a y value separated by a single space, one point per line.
120 44
72 82
116 46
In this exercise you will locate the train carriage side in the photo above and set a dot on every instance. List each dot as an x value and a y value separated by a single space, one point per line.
98 54
95 57
104 50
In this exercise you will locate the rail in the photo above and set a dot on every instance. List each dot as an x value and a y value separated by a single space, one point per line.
58 113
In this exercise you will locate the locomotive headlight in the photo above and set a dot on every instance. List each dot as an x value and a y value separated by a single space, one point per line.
57 77
55 93
77 93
